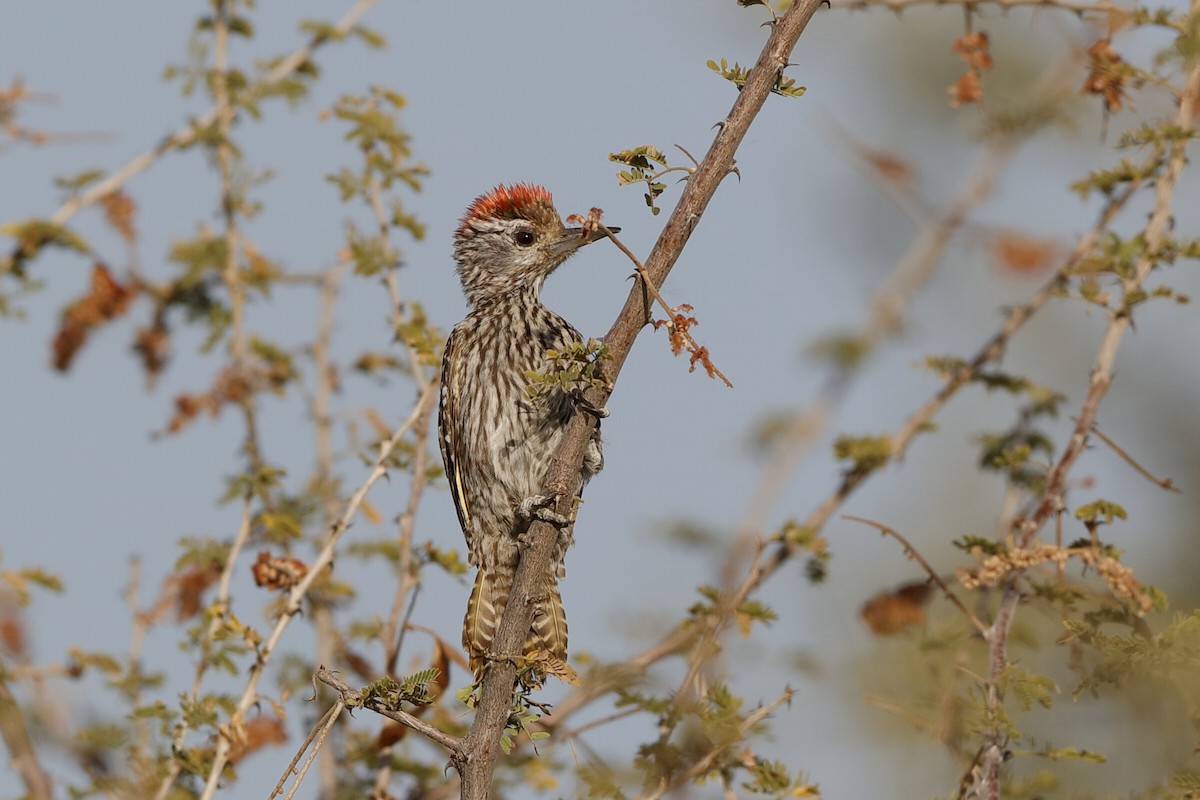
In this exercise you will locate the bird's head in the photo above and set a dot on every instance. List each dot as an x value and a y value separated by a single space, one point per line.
510 240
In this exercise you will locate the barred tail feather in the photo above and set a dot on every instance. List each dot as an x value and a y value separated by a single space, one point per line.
484 610
549 631
489 597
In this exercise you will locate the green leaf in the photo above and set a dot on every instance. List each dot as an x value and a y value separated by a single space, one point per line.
370 37
1028 687
1073 754
989 547
844 352
34 234
768 777
867 453
1097 509
73 183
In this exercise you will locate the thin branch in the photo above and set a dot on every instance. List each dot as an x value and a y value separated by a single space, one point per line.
614 676
1156 232
189 134
354 699
1163 483
323 370
324 377
682 639
885 315
221 604
994 744
21 751
317 733
704 764
1052 501
41 672
496 693
887 704
888 306
668 309
296 596
137 636
575 733
393 631
451 651
231 274
330 719
913 553
1081 7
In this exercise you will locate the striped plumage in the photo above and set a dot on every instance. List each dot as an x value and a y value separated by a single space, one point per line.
496 442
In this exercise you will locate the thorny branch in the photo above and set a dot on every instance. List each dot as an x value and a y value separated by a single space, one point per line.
404 598
296 596
231 275
1081 7
888 306
139 751
393 631
685 638
221 604
316 738
677 322
913 553
189 134
20 747
885 314
354 698
1162 483
324 378
702 765
1052 502
496 693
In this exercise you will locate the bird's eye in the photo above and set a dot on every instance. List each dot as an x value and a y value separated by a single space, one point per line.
524 237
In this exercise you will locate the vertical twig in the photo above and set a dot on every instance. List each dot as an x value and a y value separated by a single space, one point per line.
187 135
137 636
20 747
1052 501
408 584
231 201
393 630
322 730
327 719
298 592
221 605
231 277
325 629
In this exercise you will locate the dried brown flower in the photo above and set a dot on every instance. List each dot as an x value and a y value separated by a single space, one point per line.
278 572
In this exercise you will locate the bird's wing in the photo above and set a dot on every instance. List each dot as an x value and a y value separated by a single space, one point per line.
449 438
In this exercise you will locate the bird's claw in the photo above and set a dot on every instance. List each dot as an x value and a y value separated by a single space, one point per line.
538 507
587 407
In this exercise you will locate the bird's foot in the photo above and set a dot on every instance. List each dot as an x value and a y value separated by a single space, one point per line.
586 407
538 507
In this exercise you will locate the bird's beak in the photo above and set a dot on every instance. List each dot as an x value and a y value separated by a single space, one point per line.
575 238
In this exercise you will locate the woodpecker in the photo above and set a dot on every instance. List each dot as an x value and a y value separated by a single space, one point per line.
497 441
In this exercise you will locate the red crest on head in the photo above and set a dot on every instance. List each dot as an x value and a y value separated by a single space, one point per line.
506 202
